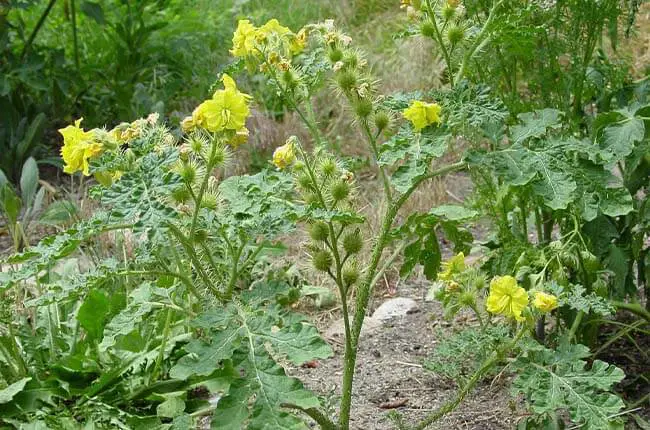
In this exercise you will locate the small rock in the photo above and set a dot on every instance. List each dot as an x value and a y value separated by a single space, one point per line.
337 329
396 307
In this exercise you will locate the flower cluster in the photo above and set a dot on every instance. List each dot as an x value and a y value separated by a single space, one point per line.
507 298
80 147
461 285
271 45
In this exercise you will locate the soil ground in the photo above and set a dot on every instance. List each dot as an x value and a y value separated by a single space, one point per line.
389 372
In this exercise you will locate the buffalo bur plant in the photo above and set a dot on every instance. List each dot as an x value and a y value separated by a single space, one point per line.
179 323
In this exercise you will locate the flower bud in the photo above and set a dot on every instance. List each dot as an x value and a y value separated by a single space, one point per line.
340 190
322 260
452 287
328 167
285 155
319 231
352 242
218 156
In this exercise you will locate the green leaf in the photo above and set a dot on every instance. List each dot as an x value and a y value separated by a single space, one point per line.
92 313
94 11
173 407
10 203
560 380
204 358
454 212
7 394
535 124
59 213
256 400
618 139
29 181
129 318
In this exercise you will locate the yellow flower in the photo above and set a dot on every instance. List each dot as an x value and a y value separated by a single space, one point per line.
507 298
453 266
79 146
453 4
188 124
226 110
240 137
273 27
284 155
545 302
422 114
298 42
243 40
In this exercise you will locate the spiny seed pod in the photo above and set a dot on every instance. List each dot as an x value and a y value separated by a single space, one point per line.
351 60
181 194
290 79
427 29
210 201
363 108
219 156
200 235
340 190
197 143
319 231
310 198
304 181
448 12
350 274
322 260
347 80
455 34
382 120
479 283
184 153
467 299
335 55
352 242
187 172
328 167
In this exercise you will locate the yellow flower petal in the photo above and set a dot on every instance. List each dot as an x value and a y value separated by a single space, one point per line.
284 155
243 40
545 302
422 114
507 298
78 148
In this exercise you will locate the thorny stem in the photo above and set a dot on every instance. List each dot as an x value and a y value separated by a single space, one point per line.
204 185
382 172
438 35
481 40
365 290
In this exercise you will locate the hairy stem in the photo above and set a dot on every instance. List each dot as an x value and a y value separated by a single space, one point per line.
365 290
